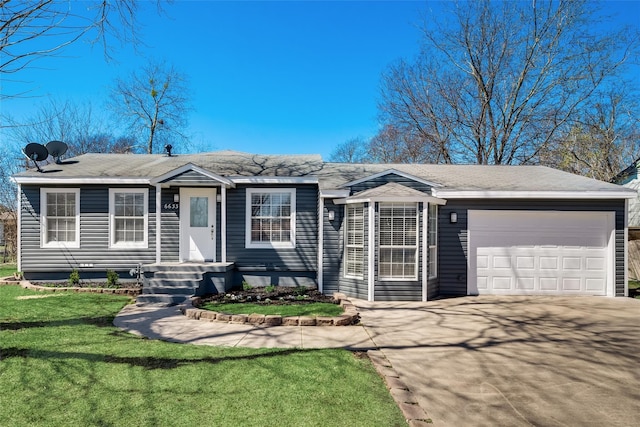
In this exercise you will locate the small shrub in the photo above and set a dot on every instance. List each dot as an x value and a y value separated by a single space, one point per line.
300 290
246 286
270 288
74 278
112 278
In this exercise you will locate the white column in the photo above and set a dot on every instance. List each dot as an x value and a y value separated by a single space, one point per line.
19 230
158 223
425 249
320 242
223 223
372 250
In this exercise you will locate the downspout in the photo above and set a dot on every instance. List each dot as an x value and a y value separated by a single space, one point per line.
223 223
626 250
19 229
158 223
320 275
425 249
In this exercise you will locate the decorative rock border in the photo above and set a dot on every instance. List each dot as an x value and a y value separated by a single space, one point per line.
350 316
404 398
117 291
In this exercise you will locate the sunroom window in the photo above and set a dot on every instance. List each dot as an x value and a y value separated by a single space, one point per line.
398 241
60 211
354 241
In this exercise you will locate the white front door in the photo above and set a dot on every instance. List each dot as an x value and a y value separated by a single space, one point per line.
198 224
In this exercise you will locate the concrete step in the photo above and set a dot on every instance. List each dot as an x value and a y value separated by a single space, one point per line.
158 290
193 275
161 299
173 283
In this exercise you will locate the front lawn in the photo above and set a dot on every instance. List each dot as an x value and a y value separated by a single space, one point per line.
306 309
62 363
7 270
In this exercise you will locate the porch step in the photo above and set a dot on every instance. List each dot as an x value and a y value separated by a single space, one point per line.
161 299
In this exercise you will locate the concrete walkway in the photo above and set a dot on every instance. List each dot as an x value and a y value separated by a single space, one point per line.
169 324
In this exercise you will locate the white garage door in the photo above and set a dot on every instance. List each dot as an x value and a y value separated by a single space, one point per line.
540 252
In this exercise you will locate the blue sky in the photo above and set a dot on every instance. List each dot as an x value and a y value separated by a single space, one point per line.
266 77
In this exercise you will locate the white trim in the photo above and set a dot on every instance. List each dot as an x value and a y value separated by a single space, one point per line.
269 245
435 274
372 252
425 249
481 194
77 181
19 230
626 250
194 168
391 199
43 218
333 194
274 180
158 223
391 171
319 274
112 227
223 224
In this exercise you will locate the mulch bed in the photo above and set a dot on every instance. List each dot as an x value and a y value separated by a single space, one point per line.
281 295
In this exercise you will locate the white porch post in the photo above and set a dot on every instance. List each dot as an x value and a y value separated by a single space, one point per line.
158 223
425 249
372 250
626 250
18 231
320 243
223 223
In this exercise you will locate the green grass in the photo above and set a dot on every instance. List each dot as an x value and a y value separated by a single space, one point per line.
62 363
307 309
7 270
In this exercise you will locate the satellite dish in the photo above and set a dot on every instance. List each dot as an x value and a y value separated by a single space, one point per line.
57 149
36 152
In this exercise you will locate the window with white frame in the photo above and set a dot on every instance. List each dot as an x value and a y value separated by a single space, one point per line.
398 241
270 218
354 241
128 218
432 236
60 217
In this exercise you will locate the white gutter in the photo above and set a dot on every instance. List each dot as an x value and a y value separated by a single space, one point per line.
425 249
320 275
479 194
274 180
158 223
223 224
76 181
19 230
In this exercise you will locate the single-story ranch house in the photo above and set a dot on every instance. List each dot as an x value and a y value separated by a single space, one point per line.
202 223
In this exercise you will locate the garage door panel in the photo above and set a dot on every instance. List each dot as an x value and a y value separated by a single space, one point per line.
569 253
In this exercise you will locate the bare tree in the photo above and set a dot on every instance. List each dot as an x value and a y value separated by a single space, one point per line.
153 102
499 81
602 141
354 150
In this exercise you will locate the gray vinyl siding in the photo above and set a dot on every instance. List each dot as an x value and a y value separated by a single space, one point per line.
170 238
385 179
301 258
94 236
452 238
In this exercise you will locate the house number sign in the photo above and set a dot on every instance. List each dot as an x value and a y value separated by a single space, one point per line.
171 206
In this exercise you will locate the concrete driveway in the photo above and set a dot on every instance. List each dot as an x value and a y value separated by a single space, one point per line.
515 361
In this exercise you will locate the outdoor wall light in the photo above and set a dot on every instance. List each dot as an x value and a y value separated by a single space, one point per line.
176 198
453 217
332 215
218 197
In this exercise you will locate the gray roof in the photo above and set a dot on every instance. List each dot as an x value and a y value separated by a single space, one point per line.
330 175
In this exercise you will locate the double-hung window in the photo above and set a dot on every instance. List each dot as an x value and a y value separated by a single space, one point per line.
354 241
398 241
433 241
60 217
128 218
270 218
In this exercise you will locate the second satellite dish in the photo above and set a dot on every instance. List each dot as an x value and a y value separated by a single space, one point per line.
57 149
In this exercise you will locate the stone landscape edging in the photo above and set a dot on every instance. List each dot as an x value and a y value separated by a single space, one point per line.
350 316
117 291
